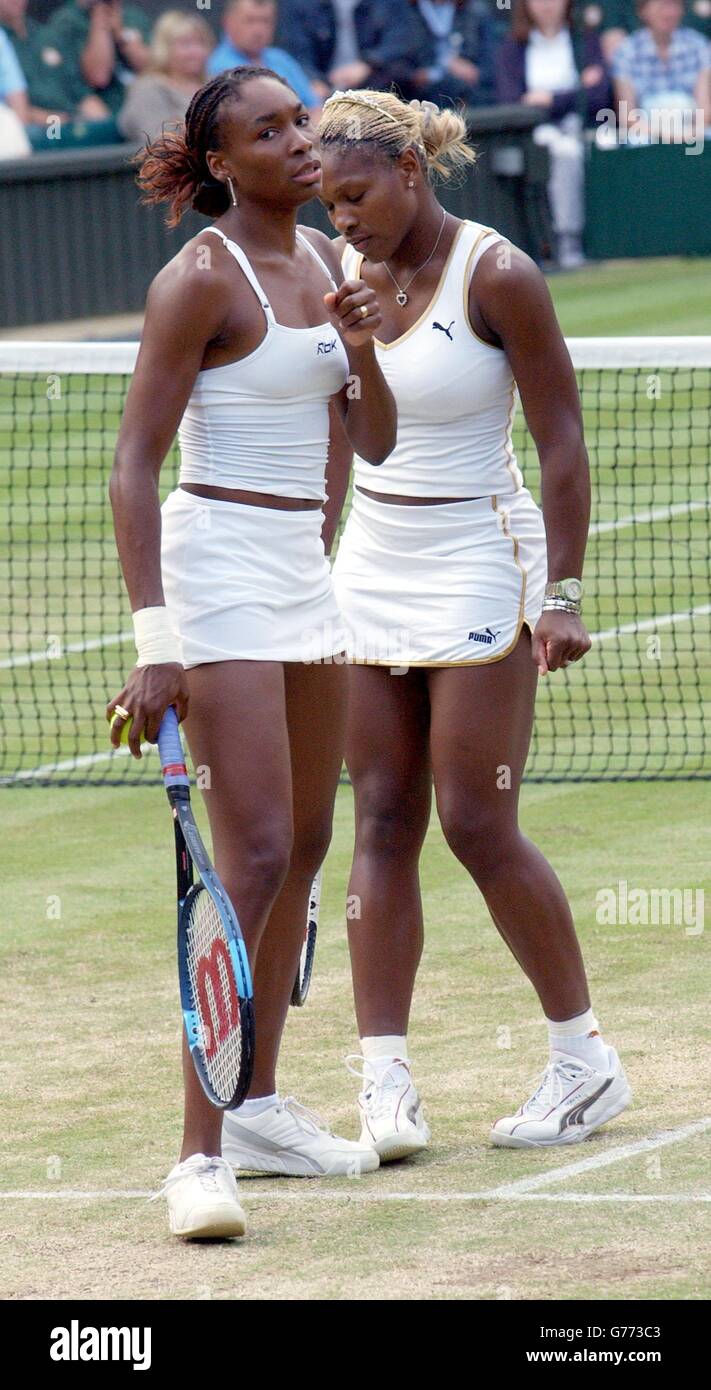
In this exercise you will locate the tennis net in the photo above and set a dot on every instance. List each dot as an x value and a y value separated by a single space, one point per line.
637 707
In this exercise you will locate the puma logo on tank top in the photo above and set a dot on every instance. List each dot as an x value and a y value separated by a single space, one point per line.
455 403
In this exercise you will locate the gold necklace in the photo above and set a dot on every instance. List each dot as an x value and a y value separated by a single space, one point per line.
402 296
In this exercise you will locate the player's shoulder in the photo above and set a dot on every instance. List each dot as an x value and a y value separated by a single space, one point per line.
507 286
329 248
506 270
195 279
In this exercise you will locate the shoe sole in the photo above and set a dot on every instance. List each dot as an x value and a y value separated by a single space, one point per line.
366 1162
575 1134
218 1226
399 1146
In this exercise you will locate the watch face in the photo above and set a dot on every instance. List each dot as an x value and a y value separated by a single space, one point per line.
573 589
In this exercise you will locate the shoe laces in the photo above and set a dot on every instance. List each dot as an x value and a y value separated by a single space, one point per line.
306 1119
557 1077
207 1170
375 1084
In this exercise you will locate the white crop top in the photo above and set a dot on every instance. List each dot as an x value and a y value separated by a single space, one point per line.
261 424
455 394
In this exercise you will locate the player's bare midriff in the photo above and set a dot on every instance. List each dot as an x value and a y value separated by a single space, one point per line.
413 501
252 499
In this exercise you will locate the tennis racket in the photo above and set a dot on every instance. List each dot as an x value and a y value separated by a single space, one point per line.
215 979
306 960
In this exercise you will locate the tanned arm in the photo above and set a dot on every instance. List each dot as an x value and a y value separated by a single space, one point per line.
367 407
185 309
510 297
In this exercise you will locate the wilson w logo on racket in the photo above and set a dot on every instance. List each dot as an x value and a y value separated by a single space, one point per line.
217 997
215 979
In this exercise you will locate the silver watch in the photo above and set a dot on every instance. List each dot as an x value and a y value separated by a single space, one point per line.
570 590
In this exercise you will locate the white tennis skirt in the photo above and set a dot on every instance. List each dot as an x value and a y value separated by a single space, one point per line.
449 584
247 583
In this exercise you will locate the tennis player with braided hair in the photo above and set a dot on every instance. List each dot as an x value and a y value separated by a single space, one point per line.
251 335
457 598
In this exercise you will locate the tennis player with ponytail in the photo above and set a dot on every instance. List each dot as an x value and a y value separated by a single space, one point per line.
250 337
457 597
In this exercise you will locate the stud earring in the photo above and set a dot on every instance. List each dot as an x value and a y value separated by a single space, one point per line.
232 192
411 184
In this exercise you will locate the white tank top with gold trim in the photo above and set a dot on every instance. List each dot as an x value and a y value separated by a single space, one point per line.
455 394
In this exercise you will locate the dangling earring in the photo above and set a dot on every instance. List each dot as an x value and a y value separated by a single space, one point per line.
232 192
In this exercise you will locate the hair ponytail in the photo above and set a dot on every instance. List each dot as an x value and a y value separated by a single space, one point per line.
173 168
443 132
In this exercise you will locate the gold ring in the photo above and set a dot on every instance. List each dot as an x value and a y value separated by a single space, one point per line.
364 310
121 712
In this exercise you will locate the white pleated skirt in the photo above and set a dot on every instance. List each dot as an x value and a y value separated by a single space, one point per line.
247 583
440 585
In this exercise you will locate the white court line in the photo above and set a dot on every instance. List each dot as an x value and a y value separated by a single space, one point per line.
601 528
307 1193
524 1190
71 764
663 620
651 624
94 644
598 528
89 759
603 1160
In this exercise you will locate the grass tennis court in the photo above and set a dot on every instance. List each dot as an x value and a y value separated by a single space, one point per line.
100 978
88 964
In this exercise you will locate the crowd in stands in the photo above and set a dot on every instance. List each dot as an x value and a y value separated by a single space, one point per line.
102 70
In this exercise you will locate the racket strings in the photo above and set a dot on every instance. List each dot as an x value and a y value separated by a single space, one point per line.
214 995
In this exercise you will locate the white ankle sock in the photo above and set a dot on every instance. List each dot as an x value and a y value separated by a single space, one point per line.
256 1106
579 1037
381 1051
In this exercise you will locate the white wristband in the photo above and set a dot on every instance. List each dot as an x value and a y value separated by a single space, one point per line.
156 642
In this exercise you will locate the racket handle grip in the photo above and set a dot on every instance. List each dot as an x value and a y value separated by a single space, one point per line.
170 747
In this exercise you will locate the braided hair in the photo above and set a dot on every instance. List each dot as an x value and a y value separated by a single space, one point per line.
173 168
390 125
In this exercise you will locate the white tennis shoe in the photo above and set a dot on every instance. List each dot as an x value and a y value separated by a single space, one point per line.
202 1199
391 1110
571 1102
289 1139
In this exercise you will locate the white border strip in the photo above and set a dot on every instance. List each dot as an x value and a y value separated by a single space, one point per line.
116 359
103 359
609 353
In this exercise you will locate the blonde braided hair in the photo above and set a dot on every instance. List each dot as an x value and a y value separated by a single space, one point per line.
439 135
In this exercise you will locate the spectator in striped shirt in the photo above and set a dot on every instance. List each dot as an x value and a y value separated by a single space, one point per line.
663 66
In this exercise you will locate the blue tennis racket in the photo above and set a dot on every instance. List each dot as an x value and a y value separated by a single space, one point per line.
306 959
215 979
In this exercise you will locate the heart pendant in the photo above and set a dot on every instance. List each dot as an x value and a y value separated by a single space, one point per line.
401 298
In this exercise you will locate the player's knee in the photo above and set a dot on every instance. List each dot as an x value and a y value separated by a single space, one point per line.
311 842
478 839
390 824
267 853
